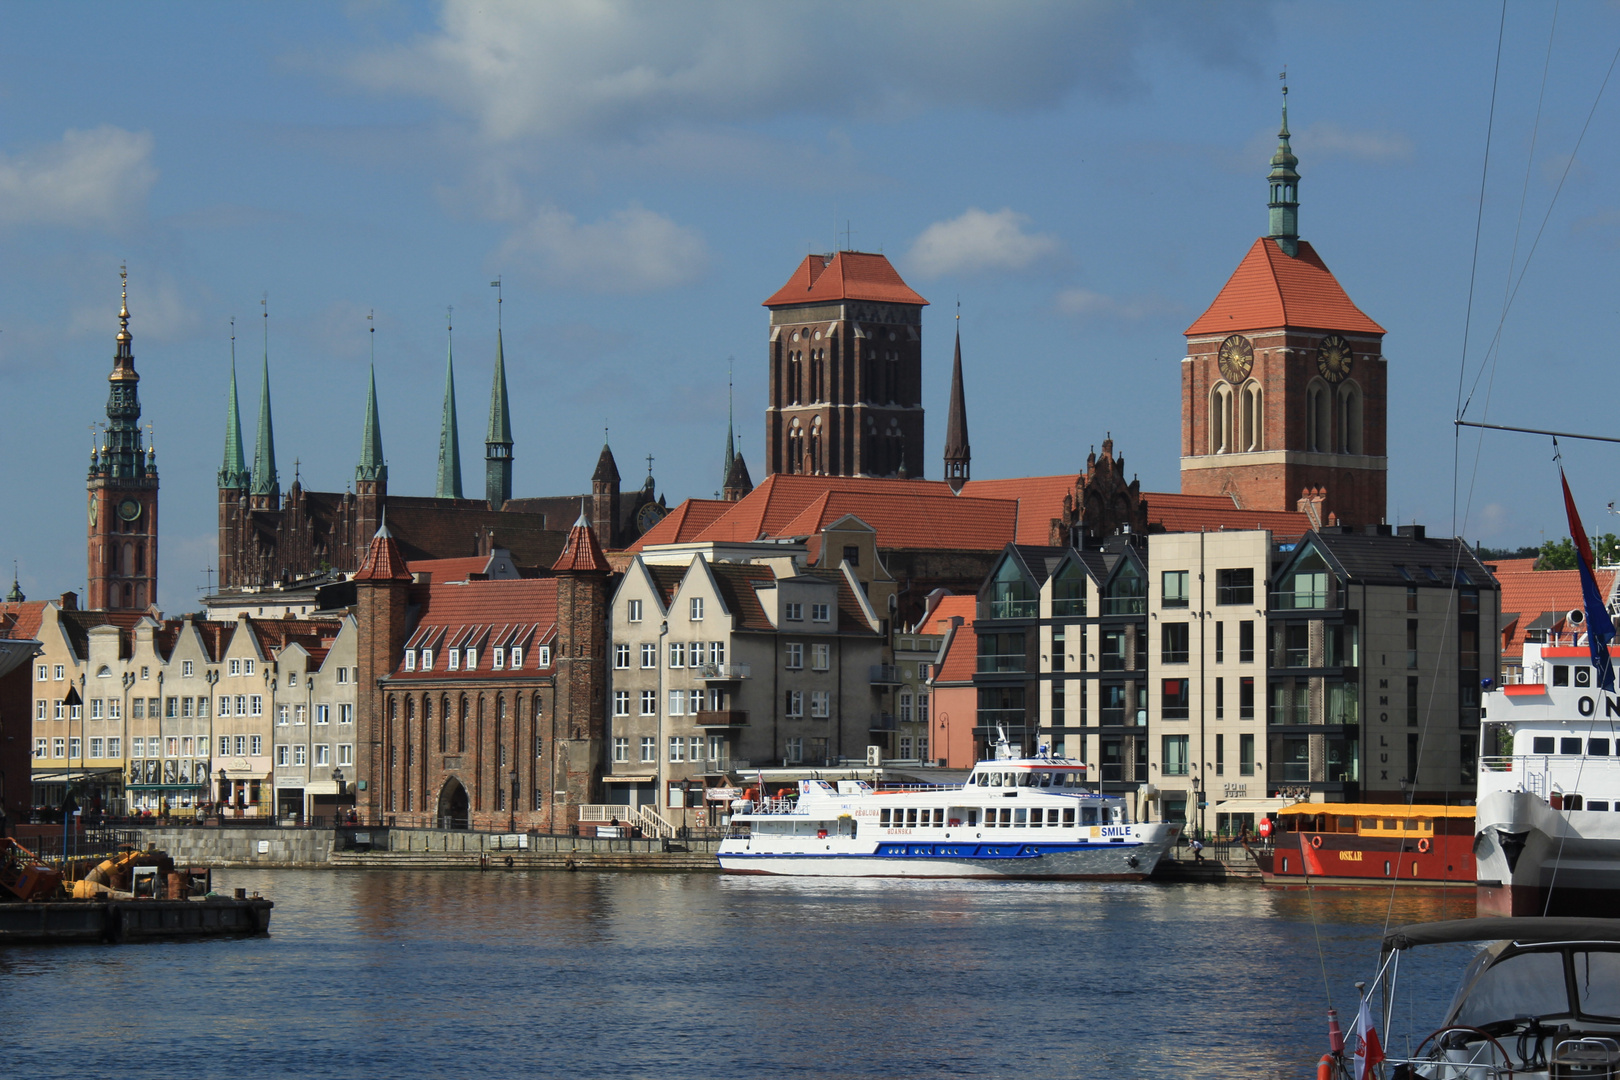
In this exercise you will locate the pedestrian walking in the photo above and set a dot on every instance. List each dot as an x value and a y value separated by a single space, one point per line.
1197 846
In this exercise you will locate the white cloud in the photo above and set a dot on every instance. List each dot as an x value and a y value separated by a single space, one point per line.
1085 304
158 311
635 250
1331 140
978 241
97 177
607 66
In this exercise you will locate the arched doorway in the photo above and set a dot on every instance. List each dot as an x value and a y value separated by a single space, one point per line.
453 805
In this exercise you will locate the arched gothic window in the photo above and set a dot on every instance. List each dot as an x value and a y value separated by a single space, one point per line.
1220 419
1251 419
816 464
795 447
1350 418
1318 418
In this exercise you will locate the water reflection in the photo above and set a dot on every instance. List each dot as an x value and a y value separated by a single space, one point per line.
629 975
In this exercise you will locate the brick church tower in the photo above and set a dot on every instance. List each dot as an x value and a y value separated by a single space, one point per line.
846 370
1283 388
123 482
578 716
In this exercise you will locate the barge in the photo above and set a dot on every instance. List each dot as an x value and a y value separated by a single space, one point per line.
1370 844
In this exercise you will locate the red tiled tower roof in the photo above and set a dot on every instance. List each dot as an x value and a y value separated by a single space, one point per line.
582 552
848 275
383 561
1270 289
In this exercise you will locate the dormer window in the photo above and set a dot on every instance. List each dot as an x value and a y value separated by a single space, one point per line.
455 659
544 659
472 659
500 659
517 659
410 659
427 659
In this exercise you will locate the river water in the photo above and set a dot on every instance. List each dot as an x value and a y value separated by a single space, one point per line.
501 974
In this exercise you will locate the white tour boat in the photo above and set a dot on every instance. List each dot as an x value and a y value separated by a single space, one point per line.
1013 818
1547 823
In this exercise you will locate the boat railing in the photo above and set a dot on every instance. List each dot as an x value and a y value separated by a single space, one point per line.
776 806
1543 774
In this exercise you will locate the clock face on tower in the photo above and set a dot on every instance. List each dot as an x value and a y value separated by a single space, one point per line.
1334 357
1237 358
648 516
129 509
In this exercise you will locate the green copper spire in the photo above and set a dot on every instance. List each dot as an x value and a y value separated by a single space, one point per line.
372 467
1284 181
731 436
265 480
449 485
233 474
498 442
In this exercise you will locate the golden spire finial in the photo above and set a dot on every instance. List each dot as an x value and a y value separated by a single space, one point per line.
123 302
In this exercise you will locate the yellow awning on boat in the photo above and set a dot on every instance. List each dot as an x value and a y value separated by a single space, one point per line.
1377 810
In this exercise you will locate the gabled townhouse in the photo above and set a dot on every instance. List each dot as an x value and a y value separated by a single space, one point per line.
314 743
168 724
954 705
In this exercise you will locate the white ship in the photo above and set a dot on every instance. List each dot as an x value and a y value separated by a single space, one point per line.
1013 818
1547 824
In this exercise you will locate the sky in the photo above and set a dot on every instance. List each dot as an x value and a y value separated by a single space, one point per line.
1081 177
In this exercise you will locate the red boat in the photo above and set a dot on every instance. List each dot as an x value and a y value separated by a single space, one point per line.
1370 844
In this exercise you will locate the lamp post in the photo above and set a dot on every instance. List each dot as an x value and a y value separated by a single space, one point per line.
661 796
511 823
337 778
224 792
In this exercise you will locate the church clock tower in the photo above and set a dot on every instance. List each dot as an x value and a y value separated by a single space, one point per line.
123 489
1283 387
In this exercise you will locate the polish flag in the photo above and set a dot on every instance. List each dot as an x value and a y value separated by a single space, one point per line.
1369 1052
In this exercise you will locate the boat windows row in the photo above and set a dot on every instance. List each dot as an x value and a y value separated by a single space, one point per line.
1005 817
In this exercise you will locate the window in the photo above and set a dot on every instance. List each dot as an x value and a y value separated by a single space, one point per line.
621 749
795 703
621 656
427 659
39 709
345 713
717 747
1175 755
694 655
281 715
187 706
96 707
543 656
677 748
1411 701
410 659
1246 698
717 653
1220 698
241 746
471 661
1175 588
1220 755
514 659
300 755
820 657
187 669
1069 592
346 754
258 745
455 659
922 708
1412 644
649 703
499 661
171 708
1246 642
695 608
1234 586
649 655
795 655
1220 642
59 710
820 612
115 747
323 754
42 673
173 748
795 750
1174 643
793 612
905 708
283 754
224 745
235 667
96 747
632 610
255 705
292 678
343 676
820 704
323 714
648 749
1176 693
677 703
299 716
58 747
247 667
621 703
75 747
40 747
695 701
677 654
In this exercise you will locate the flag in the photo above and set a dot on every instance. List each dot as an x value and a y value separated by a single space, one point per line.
1599 627
1369 1052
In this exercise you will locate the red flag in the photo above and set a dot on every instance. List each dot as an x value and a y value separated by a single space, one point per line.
1369 1052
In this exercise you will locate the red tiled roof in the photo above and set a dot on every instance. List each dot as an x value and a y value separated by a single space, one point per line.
383 562
1530 595
912 519
683 523
1513 566
1269 289
779 498
448 569
737 583
848 275
22 621
1190 513
581 554
274 634
961 658
1039 498
486 615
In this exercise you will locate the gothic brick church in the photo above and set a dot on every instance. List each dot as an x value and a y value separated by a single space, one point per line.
267 535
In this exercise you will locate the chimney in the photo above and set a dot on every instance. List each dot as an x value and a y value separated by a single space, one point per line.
69 601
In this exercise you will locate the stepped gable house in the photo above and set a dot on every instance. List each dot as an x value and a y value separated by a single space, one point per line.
269 536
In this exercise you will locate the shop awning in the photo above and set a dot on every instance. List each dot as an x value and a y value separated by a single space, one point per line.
622 779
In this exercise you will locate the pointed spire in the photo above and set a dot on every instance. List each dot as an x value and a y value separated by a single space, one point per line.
1284 181
958 454
373 467
607 470
731 437
122 458
449 483
738 483
265 480
233 473
498 441
383 561
15 596
581 553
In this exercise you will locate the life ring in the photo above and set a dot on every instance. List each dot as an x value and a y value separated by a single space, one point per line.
1324 1068
1316 841
1424 845
509 862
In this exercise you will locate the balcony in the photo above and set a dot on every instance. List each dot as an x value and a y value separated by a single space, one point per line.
1002 663
885 675
1302 600
723 672
722 718
1014 609
881 722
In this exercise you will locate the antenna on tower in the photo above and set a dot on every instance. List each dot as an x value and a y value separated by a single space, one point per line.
496 285
371 317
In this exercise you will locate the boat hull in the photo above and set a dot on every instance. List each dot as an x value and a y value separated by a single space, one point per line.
1306 858
973 859
1535 860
